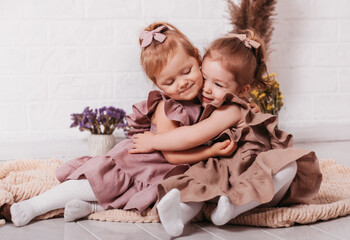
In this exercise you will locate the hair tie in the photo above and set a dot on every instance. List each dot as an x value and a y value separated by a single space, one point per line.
249 43
147 36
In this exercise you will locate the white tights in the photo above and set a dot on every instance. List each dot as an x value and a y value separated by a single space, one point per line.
175 214
76 196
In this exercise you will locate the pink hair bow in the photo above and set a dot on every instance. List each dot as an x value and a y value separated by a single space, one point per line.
147 36
249 43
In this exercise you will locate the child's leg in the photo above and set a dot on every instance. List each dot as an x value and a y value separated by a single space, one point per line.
225 211
55 198
282 181
174 214
76 209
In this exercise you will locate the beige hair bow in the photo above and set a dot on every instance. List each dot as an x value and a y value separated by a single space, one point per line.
249 43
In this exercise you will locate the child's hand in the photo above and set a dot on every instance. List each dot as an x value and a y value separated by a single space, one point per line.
254 107
225 148
142 143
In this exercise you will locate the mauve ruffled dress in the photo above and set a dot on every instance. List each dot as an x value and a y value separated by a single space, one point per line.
262 151
129 181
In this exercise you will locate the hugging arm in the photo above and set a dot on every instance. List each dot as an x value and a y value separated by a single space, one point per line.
200 153
187 137
192 155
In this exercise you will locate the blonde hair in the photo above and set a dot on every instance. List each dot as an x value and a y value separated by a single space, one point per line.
155 56
247 65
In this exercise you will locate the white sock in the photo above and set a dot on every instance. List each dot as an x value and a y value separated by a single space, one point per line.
225 210
76 209
55 198
282 181
174 214
190 210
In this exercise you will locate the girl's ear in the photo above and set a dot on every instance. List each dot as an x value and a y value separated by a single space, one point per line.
244 90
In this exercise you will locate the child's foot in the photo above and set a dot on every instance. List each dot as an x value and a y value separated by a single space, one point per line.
224 212
76 209
22 213
189 210
169 211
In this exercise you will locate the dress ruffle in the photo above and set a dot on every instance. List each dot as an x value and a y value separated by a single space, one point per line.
262 151
186 113
129 181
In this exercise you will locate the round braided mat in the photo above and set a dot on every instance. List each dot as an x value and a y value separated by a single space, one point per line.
333 200
22 179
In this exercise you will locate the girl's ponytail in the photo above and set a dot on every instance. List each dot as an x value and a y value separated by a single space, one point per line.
260 73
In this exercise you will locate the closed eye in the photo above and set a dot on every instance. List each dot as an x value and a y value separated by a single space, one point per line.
187 71
170 82
219 85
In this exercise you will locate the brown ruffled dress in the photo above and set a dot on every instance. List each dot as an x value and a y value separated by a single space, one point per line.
262 151
129 181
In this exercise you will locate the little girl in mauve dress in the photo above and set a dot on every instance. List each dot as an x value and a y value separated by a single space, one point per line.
265 168
128 181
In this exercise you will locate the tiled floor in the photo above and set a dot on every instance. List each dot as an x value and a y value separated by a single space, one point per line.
58 229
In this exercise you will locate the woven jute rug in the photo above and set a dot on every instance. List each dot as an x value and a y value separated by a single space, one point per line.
333 200
22 179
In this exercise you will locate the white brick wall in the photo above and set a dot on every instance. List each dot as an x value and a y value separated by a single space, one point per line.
58 56
312 62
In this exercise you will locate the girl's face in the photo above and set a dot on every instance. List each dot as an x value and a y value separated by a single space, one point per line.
217 82
181 78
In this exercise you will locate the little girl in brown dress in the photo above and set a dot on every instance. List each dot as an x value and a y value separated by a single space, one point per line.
265 168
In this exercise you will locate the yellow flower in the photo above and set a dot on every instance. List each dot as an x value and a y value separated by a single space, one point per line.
268 107
271 77
255 93
261 96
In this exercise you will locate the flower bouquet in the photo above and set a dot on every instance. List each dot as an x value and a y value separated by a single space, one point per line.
270 99
101 123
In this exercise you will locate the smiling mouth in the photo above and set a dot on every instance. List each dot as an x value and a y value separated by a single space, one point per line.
205 99
186 89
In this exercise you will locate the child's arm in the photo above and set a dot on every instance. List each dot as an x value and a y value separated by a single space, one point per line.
193 155
189 136
201 153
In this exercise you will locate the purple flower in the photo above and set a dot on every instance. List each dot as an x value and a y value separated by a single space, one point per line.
100 121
